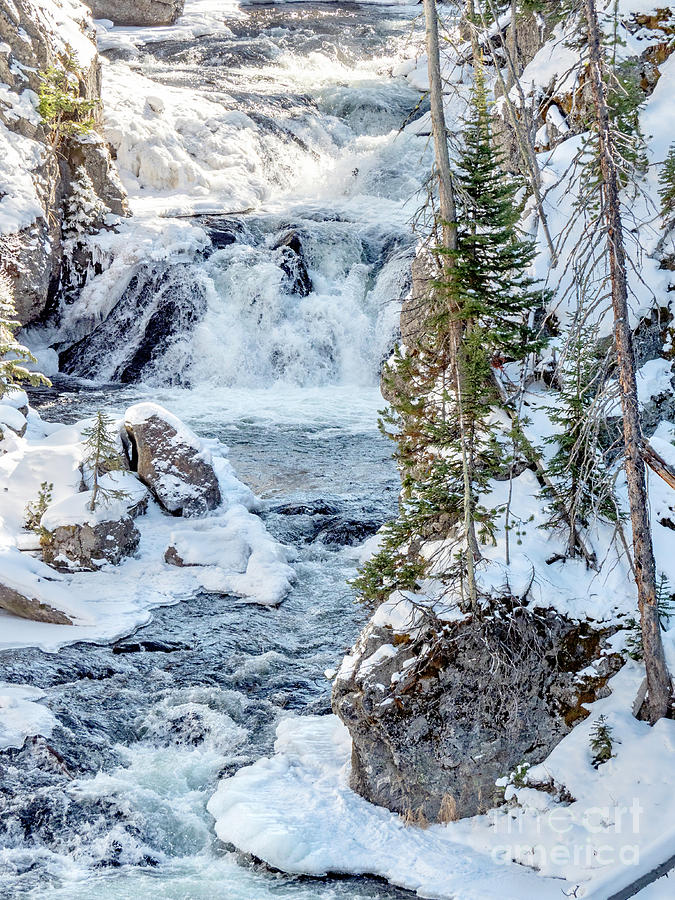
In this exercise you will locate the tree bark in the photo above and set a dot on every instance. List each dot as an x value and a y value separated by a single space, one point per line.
658 678
448 214
446 197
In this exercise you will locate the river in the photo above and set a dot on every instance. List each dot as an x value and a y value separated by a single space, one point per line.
113 805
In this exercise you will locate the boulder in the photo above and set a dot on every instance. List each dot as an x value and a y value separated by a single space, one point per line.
29 607
171 460
438 711
89 546
293 263
137 12
76 537
31 590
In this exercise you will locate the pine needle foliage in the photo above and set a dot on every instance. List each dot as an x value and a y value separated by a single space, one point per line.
601 742
100 457
667 183
36 508
665 601
13 354
476 317
584 486
62 109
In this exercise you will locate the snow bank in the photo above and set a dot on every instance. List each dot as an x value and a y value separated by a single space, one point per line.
296 812
21 716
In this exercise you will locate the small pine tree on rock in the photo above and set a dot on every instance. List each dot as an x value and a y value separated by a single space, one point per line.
84 210
64 112
36 508
13 354
100 457
601 742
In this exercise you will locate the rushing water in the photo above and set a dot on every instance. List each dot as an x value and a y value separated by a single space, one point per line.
113 805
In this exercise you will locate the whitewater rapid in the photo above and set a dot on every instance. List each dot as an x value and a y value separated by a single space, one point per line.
276 352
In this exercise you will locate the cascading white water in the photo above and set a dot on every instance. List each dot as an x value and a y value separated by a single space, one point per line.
315 135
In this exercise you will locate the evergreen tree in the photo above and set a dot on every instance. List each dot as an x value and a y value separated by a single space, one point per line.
100 457
476 317
13 354
583 485
667 183
36 508
601 741
63 110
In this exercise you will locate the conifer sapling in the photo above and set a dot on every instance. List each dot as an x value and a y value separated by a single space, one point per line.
100 457
601 743
36 508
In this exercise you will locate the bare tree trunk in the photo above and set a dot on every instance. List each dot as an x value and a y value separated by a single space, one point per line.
449 230
446 195
658 678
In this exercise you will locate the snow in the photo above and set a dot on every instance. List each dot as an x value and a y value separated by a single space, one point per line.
21 716
236 555
296 812
111 602
75 508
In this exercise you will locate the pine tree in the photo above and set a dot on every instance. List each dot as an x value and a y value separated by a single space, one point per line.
13 355
667 183
601 741
63 110
100 457
583 484
36 508
476 317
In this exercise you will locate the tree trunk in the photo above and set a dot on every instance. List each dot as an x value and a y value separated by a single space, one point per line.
658 678
448 215
446 195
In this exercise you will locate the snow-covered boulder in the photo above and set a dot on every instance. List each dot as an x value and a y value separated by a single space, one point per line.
171 460
76 537
31 590
137 12
436 715
12 418
234 554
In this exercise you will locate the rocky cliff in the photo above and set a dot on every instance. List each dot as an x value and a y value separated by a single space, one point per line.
42 175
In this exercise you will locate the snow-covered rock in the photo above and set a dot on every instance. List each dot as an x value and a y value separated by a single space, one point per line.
171 460
35 174
234 554
137 12
76 537
21 716
30 590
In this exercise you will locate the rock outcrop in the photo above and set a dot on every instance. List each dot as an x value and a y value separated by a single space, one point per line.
38 174
29 607
171 460
137 12
437 711
88 546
